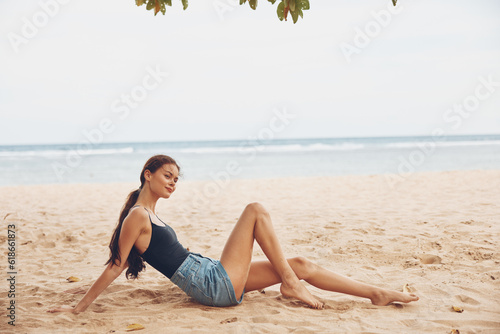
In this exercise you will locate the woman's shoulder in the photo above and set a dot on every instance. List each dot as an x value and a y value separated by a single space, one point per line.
137 215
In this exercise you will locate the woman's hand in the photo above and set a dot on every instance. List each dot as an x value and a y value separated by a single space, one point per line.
64 308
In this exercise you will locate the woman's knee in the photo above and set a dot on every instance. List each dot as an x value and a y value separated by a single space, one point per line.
257 208
302 267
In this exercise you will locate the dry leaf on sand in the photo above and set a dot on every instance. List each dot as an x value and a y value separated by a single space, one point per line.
407 288
73 279
134 327
229 320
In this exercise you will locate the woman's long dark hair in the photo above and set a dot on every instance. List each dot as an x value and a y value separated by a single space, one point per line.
135 262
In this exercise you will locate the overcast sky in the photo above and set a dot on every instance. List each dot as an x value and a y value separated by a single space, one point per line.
218 70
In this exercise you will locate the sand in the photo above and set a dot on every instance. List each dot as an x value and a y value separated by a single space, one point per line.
438 232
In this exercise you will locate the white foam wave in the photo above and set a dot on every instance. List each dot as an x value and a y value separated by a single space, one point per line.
274 148
249 147
444 143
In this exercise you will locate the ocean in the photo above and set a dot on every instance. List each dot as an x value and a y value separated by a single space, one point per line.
88 162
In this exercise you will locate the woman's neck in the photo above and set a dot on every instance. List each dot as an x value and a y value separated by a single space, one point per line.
147 199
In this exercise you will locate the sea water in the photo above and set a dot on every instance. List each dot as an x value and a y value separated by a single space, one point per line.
251 158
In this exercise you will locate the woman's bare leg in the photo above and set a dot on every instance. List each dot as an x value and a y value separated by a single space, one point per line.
255 224
262 275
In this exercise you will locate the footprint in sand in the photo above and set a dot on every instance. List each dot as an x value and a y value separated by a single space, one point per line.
468 300
429 259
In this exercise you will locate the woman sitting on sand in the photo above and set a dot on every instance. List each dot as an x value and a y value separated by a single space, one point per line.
141 236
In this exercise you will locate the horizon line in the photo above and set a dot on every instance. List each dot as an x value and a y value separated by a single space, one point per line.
243 139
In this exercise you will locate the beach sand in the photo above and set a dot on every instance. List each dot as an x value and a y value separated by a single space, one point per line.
363 227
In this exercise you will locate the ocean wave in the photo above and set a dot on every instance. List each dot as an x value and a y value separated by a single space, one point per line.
247 147
241 147
443 143
318 147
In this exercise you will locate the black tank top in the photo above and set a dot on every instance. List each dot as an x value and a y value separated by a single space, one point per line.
164 253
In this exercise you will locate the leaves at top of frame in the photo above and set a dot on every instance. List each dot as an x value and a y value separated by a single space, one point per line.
159 5
294 7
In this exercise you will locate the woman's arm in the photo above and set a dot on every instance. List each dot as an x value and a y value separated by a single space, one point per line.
107 277
131 229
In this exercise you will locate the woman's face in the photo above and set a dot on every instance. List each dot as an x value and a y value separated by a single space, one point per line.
163 181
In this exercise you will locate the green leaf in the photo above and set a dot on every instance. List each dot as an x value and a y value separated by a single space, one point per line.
292 5
184 4
304 4
150 5
253 4
169 3
272 1
140 2
242 2
300 12
281 10
394 2
295 15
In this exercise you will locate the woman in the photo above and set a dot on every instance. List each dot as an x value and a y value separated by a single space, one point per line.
140 235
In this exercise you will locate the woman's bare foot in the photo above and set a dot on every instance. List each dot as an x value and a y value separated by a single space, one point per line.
293 288
384 297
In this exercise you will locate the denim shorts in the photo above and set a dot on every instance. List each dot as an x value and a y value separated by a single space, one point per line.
206 281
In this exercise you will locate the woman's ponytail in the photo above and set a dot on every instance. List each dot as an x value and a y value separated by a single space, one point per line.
135 262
